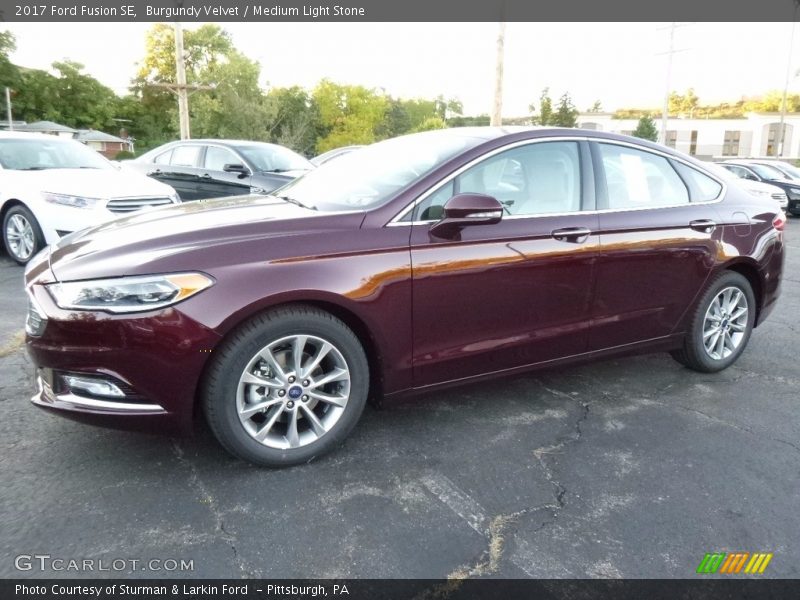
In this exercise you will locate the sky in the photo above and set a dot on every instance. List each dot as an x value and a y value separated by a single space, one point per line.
620 64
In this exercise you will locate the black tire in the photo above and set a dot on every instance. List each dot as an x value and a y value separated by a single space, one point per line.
38 236
219 391
693 354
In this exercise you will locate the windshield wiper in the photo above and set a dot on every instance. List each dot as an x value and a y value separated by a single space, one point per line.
33 168
297 202
277 170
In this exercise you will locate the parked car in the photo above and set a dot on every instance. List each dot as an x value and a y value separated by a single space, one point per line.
789 170
51 186
767 174
331 154
417 263
200 169
760 190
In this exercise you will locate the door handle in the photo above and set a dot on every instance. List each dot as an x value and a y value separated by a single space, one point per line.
576 235
704 225
205 176
156 172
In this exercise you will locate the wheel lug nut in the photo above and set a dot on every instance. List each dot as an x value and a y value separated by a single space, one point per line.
291 379
290 404
305 397
306 382
281 393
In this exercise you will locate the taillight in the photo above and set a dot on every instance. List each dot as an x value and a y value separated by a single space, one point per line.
779 221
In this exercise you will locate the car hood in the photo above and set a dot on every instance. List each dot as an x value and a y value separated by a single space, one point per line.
190 236
91 183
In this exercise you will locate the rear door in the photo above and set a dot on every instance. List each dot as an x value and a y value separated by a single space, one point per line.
182 172
659 237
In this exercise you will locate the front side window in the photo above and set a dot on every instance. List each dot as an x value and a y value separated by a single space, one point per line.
638 179
539 178
217 158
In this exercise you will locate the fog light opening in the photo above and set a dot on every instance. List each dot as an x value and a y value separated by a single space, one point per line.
93 386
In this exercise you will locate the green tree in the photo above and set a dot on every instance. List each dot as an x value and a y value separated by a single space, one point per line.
566 114
596 107
430 124
348 114
545 116
646 129
683 104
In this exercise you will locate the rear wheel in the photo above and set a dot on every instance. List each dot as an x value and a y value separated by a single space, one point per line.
721 325
21 233
288 386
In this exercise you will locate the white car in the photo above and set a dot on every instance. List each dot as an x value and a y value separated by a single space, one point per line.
51 186
755 188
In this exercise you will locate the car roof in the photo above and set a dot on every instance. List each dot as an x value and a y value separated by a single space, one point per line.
29 135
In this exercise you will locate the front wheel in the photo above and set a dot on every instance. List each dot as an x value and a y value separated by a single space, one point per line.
721 325
287 386
21 233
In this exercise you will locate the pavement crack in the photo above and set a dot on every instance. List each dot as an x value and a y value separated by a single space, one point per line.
546 452
208 498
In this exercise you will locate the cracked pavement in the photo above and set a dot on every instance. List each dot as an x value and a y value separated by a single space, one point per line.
633 467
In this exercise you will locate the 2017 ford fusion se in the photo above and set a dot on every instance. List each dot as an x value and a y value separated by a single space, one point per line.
419 262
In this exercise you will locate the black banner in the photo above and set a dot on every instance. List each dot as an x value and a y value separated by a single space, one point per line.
394 10
397 589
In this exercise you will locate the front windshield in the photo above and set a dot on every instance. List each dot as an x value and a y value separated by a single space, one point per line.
766 172
48 153
274 159
791 170
372 175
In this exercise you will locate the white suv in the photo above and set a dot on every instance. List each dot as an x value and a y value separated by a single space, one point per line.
51 186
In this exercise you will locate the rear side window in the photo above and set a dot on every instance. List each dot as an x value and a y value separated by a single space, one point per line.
702 187
185 156
638 179
163 158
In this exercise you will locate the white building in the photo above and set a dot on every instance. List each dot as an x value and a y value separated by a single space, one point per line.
755 135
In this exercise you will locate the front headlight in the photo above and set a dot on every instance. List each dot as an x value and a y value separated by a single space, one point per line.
128 294
66 200
794 193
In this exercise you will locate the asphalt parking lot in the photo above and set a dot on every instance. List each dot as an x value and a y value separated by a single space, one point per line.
627 468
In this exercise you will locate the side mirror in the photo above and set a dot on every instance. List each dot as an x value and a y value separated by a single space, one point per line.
236 168
463 210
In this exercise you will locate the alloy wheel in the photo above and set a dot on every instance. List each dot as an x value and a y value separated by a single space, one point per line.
725 323
293 391
20 237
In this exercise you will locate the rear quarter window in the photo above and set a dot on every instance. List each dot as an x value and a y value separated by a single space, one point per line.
702 188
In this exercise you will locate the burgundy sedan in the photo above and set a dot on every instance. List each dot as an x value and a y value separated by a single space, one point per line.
419 262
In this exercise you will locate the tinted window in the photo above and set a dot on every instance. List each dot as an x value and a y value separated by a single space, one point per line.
217 158
185 156
702 187
539 178
637 179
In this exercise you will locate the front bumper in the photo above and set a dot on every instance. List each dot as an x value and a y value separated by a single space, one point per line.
156 358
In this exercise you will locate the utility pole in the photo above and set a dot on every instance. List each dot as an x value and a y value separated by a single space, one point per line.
180 88
665 109
782 127
180 80
497 109
8 109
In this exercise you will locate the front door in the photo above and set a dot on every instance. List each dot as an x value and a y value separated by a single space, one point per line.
514 293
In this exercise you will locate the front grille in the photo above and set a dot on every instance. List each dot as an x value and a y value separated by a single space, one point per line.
779 196
126 205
